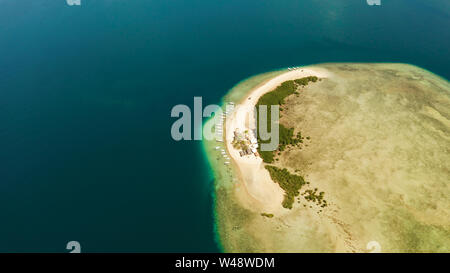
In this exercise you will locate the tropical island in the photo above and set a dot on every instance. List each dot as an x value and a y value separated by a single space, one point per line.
372 167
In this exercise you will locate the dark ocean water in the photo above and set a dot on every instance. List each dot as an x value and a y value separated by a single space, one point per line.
86 93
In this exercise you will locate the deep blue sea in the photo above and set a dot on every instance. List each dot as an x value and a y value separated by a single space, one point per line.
86 93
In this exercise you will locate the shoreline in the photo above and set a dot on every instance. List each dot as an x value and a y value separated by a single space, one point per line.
230 176
242 192
220 172
262 193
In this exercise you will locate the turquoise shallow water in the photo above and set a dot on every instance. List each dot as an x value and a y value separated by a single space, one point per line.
86 94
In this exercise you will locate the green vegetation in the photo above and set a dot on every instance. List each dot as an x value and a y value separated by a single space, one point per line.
304 81
311 195
268 215
239 144
267 156
290 183
276 97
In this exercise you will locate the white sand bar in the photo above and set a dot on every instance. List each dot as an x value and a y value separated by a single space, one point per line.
266 194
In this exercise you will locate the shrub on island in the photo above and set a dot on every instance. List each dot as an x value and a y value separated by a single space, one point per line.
290 183
268 215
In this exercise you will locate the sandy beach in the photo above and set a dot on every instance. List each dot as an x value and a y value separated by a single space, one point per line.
258 191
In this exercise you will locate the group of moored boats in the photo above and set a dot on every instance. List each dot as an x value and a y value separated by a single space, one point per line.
219 131
219 125
225 155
